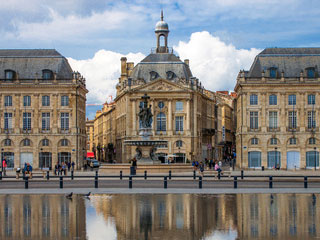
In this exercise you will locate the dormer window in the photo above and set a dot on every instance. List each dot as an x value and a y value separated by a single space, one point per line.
47 74
310 73
273 72
153 75
170 75
9 74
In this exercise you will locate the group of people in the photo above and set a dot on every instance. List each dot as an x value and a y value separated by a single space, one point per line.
62 168
210 164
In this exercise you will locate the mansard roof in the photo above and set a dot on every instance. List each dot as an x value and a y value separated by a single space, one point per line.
29 63
161 64
290 61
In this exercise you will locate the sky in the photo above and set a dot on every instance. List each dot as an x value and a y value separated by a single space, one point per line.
219 37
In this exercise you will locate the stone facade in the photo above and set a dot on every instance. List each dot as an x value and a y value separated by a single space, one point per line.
184 113
277 109
42 107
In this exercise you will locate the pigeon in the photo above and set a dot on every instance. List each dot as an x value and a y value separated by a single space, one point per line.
69 196
87 195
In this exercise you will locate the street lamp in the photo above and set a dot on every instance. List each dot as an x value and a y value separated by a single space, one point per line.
315 158
1 159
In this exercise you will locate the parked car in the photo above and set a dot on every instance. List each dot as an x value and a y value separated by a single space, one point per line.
93 163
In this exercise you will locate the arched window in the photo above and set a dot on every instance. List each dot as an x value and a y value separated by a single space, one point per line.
9 74
273 72
7 142
45 142
312 140
161 122
26 142
47 74
179 143
64 142
170 75
153 75
273 141
254 141
311 72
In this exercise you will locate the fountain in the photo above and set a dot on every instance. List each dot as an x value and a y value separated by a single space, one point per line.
146 148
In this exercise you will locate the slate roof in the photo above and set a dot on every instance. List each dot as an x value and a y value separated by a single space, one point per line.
289 60
161 63
29 63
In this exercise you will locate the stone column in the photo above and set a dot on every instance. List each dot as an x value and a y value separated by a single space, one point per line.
134 118
17 117
36 113
170 117
154 117
188 117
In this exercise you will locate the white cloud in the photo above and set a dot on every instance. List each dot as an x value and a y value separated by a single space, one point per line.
102 73
215 63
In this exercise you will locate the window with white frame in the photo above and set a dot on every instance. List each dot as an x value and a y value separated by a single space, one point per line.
45 121
64 118
311 99
26 124
292 99
161 122
179 123
311 119
7 101
45 101
7 120
45 142
254 141
273 99
254 120
273 120
273 141
26 101
253 99
64 142
179 106
292 119
64 100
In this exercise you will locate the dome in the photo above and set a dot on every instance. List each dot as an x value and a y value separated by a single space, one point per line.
162 26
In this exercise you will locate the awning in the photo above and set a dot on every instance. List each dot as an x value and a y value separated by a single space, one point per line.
90 155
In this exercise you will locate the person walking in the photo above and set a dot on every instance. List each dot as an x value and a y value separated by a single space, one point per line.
201 168
64 168
72 166
4 166
69 166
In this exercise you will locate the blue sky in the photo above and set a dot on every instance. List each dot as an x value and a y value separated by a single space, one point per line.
220 37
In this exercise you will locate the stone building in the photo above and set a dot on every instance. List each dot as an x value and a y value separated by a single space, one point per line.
42 109
90 135
184 113
277 110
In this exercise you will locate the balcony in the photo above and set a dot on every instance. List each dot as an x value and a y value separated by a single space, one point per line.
290 129
63 131
7 131
26 131
255 129
273 129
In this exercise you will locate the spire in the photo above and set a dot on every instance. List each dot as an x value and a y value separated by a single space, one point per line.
161 15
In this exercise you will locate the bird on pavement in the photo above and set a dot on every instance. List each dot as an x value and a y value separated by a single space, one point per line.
87 195
69 196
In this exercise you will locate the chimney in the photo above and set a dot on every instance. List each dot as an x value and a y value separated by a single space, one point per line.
186 61
123 66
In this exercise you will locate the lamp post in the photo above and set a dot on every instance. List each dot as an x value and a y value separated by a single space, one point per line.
315 158
1 159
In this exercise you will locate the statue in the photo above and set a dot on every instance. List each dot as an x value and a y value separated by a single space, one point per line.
145 115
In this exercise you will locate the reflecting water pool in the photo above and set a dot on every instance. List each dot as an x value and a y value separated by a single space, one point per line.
165 216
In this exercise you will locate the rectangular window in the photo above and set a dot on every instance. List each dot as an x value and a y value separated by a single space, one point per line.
273 141
64 121
64 100
26 121
311 119
45 121
254 120
253 99
273 100
27 101
311 73
179 123
311 99
292 119
293 141
273 120
7 120
312 159
254 159
292 99
254 141
273 73
7 101
179 106
45 101
274 159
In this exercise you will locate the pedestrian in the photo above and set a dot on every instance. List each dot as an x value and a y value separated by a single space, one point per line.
72 166
29 170
211 164
197 164
64 168
206 162
217 168
134 163
69 166
194 165
4 166
56 169
59 169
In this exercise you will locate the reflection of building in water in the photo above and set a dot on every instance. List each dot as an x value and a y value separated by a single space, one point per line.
42 217
280 216
183 216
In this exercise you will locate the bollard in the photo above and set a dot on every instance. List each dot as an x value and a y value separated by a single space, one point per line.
96 181
61 182
23 174
270 182
72 175
130 181
170 174
0 175
219 175
194 174
120 175
305 182
165 182
200 182
96 173
241 174
26 183
235 182
145 174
